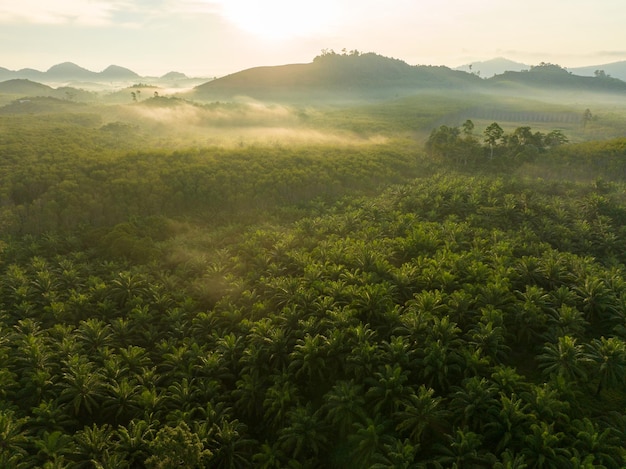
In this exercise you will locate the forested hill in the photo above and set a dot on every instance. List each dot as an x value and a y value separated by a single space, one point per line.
25 87
350 73
370 75
547 75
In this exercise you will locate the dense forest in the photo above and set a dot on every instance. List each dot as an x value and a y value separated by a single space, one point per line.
439 293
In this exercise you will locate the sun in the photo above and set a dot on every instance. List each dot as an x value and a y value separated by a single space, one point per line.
281 19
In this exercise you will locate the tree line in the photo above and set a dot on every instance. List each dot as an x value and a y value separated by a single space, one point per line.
461 145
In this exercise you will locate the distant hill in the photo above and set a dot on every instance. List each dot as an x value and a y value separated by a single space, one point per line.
552 76
174 76
350 75
25 87
68 71
371 76
489 68
615 69
41 105
115 72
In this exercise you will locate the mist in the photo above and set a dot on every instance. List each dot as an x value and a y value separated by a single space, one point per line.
174 122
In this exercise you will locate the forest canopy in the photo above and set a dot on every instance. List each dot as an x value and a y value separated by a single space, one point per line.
448 292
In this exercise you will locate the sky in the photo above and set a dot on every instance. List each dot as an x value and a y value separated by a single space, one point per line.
216 37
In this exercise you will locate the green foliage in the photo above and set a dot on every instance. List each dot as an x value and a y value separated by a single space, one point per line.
310 306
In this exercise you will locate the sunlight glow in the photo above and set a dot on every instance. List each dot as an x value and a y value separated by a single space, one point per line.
281 19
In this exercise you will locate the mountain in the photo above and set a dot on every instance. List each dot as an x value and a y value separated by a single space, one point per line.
330 75
174 76
614 69
29 74
489 68
20 86
550 76
68 71
115 72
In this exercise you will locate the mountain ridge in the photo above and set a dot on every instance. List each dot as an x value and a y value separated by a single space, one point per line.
352 75
370 75
69 72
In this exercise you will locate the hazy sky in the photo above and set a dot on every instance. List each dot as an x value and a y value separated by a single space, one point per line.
216 37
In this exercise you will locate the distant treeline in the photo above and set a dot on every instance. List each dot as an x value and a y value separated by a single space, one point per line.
505 115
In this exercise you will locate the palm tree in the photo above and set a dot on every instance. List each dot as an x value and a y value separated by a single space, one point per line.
566 320
546 404
399 454
182 395
609 361
250 392
368 441
388 390
120 402
604 446
440 365
510 460
126 287
82 387
474 404
490 339
529 320
280 398
93 444
365 355
596 299
303 436
399 351
35 363
511 424
463 450
422 418
13 447
546 448
508 380
565 358
231 448
53 447
133 441
269 457
308 358
94 334
134 358
343 407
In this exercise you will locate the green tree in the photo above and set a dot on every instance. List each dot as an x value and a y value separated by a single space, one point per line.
175 447
303 437
389 390
493 133
608 362
14 441
544 447
368 441
231 446
83 387
343 407
423 418
566 358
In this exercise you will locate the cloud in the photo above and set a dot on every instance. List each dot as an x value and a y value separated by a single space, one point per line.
98 12
59 12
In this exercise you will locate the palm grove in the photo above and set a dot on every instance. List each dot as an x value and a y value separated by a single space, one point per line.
265 306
